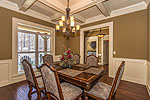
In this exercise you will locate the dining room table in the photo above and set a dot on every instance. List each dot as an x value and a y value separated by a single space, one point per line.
81 75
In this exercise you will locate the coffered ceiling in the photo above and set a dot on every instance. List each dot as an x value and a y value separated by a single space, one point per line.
81 9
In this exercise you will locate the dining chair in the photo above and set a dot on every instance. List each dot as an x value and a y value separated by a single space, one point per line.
76 58
48 59
35 82
92 60
53 88
102 91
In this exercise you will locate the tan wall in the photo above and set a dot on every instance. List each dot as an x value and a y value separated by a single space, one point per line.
74 43
61 41
148 50
130 34
6 31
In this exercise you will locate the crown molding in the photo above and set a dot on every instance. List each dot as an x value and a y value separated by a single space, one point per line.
12 6
118 12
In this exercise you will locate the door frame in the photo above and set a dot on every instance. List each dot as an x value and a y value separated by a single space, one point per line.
82 30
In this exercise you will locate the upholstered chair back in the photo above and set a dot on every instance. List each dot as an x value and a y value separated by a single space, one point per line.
117 78
28 71
51 82
48 59
76 58
92 60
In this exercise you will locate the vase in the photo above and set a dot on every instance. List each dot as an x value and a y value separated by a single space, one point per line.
70 66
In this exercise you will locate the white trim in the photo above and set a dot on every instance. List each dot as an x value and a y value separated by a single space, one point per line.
57 57
12 6
110 25
15 22
148 88
118 12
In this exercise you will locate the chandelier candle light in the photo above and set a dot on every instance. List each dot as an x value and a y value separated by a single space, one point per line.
67 23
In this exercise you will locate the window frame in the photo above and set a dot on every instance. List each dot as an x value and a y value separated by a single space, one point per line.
15 22
36 46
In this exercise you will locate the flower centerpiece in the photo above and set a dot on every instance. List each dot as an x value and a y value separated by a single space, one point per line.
66 60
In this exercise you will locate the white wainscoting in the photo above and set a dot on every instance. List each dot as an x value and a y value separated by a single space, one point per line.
5 72
57 58
148 77
6 75
135 70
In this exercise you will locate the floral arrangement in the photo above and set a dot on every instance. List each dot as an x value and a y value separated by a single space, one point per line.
67 59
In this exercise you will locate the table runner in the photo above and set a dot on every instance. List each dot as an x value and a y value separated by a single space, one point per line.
83 65
95 71
70 72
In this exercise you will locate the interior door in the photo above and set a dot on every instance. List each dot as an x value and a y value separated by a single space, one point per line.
105 52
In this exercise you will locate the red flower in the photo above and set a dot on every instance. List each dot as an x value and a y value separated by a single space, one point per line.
68 51
62 58
69 56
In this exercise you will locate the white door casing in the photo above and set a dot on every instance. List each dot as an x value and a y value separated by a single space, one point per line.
110 25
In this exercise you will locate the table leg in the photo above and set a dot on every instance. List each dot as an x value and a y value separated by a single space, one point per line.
85 96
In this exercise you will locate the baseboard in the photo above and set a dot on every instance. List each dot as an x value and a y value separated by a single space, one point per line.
148 88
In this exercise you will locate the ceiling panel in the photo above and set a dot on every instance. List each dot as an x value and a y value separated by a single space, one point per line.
117 4
42 8
16 1
90 12
71 2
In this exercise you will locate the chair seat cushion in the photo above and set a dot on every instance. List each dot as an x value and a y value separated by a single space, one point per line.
100 90
69 91
40 82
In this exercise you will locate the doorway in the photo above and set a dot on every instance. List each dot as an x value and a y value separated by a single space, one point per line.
82 41
98 46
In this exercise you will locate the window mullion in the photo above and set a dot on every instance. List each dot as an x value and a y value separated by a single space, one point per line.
36 50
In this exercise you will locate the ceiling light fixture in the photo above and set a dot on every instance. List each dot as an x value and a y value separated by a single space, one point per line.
67 23
100 35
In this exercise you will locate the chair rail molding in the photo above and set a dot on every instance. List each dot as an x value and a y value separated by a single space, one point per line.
135 70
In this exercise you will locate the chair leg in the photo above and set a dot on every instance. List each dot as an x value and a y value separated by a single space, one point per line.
80 98
39 95
48 96
30 91
113 97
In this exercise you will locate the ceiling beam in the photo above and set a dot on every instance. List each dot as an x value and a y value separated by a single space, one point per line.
25 4
56 17
147 1
79 18
104 8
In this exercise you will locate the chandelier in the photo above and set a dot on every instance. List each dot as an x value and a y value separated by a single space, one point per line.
67 23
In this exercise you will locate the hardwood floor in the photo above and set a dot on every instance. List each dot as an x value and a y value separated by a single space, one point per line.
126 91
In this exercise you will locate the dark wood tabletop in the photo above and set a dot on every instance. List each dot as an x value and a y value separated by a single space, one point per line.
84 78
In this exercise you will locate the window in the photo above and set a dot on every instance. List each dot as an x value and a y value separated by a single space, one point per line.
33 44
